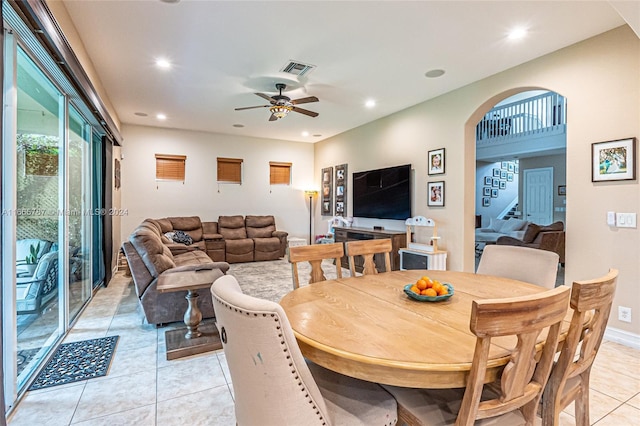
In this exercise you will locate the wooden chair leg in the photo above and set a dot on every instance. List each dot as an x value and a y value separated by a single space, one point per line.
582 400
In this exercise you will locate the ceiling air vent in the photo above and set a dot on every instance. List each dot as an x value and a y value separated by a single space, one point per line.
297 68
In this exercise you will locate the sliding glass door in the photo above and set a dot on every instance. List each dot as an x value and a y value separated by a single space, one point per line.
39 223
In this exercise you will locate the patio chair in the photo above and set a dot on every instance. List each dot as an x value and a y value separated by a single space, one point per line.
23 249
34 293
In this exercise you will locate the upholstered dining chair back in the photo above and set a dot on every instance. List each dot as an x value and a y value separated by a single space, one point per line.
530 265
272 382
315 254
523 320
591 303
368 249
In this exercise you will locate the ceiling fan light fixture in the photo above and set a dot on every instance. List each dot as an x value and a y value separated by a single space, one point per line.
280 111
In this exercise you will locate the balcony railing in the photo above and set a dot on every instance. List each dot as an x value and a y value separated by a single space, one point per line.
545 113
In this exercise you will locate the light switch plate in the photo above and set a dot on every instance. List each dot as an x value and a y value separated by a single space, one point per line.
626 220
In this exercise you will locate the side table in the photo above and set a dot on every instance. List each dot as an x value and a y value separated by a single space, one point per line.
193 339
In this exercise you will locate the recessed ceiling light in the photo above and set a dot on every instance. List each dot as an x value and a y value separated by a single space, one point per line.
305 134
163 63
434 73
141 114
161 117
370 103
238 125
517 33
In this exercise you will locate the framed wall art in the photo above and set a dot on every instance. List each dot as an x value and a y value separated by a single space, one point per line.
435 194
613 160
436 162
327 192
486 202
341 190
562 190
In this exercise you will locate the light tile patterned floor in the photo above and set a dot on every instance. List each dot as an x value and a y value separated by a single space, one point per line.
144 389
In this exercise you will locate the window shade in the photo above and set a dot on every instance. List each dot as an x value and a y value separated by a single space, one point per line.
279 173
170 167
230 170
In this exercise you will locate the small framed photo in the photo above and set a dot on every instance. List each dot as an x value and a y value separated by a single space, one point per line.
495 183
510 167
486 191
562 190
435 194
503 184
494 193
496 173
503 174
486 202
613 160
436 162
516 168
509 177
488 180
504 165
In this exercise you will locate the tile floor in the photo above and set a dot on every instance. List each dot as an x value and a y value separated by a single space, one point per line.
144 389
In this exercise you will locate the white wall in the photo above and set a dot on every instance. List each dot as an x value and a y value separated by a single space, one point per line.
600 78
200 195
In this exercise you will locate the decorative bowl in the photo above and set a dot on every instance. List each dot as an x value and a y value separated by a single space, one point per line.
411 294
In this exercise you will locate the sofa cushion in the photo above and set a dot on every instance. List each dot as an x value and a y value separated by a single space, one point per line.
156 256
232 227
260 226
191 225
531 233
555 226
165 225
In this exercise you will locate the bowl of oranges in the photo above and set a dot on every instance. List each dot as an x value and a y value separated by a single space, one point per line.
428 290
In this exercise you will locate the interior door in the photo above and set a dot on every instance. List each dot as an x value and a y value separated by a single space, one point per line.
538 195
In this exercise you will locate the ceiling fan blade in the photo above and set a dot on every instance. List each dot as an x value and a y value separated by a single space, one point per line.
273 118
304 100
252 107
305 112
267 97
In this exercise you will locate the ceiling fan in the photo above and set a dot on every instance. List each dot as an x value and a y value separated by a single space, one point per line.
280 105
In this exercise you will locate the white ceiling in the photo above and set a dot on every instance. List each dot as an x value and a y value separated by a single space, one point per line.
224 51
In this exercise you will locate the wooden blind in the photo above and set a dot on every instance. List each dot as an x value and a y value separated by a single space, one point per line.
230 170
279 173
170 167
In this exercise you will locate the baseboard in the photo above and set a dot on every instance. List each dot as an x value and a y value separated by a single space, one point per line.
623 337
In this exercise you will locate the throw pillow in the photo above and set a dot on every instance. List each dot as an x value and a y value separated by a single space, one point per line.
513 225
182 238
531 233
496 224
169 236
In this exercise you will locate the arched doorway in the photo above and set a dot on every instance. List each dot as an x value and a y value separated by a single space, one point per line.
520 147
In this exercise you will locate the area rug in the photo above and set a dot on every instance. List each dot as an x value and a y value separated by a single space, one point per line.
271 280
24 358
76 361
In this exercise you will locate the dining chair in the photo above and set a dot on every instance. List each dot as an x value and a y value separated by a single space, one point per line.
315 254
569 381
526 264
368 249
272 382
516 395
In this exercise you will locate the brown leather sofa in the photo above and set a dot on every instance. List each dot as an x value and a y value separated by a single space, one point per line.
253 238
549 237
205 236
150 261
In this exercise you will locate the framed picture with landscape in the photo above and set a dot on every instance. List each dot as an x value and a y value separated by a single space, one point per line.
613 160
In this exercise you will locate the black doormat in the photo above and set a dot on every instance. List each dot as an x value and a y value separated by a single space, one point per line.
77 361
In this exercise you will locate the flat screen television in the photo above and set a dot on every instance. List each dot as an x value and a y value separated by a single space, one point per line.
383 193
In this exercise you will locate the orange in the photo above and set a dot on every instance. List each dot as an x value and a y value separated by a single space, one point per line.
437 286
426 278
443 290
421 284
415 289
429 292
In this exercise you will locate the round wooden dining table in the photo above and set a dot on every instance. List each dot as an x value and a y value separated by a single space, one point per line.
367 327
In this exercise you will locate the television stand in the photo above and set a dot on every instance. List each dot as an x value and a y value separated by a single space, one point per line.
398 241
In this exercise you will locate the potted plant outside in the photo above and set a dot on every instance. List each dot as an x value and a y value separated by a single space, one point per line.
31 260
